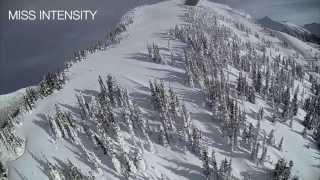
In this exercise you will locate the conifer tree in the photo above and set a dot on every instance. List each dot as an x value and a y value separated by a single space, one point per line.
282 170
3 171
280 144
294 103
196 141
258 82
205 163
264 154
271 140
286 109
304 132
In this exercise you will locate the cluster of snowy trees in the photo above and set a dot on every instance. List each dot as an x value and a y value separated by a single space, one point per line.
63 125
243 27
68 172
245 90
51 82
154 53
9 141
211 50
212 171
176 126
204 67
282 170
212 47
312 108
30 98
175 122
103 117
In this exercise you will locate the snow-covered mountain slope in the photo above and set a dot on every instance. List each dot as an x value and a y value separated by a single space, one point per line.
289 28
297 28
131 65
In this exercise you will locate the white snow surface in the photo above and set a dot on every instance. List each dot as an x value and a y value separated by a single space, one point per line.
125 61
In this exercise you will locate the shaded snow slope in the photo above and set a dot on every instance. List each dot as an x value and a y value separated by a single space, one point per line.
313 27
129 64
300 32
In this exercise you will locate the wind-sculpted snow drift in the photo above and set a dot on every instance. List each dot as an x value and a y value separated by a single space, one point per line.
190 92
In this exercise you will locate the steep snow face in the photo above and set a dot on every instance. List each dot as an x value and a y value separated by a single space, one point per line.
129 63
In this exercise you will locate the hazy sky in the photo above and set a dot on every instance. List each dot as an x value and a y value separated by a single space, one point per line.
296 11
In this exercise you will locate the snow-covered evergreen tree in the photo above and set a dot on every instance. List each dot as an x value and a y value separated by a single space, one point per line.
280 144
3 172
205 163
282 170
271 138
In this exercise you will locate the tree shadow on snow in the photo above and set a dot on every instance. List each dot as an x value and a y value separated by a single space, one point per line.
256 173
317 156
87 92
75 111
43 163
193 96
144 57
21 176
163 35
186 170
171 75
43 123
